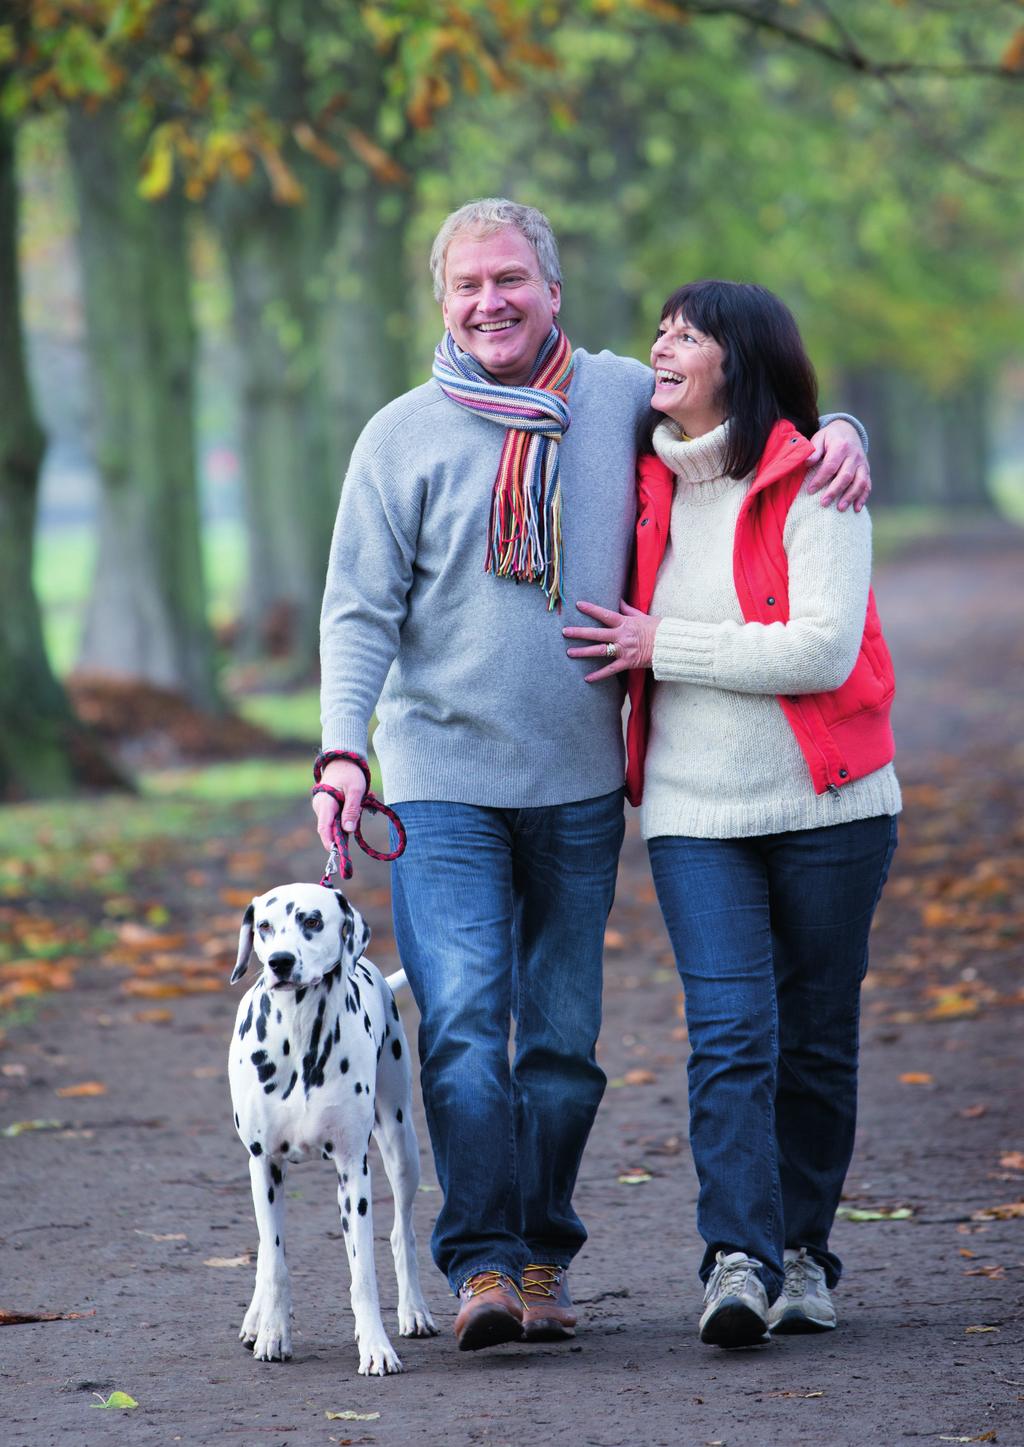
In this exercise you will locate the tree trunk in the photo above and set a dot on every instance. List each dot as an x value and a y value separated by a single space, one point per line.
44 750
147 613
276 257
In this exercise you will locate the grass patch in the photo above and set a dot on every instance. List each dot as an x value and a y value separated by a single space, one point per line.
247 781
293 715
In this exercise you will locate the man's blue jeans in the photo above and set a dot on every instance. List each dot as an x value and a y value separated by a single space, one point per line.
771 940
499 917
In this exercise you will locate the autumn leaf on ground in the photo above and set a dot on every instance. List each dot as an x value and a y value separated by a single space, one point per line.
639 1077
972 1112
1008 1212
994 1273
87 1087
917 1077
634 1178
883 1213
20 1318
1013 1160
349 1416
116 1400
19 1127
978 1330
244 1260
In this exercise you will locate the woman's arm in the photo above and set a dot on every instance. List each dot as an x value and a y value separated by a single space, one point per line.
829 576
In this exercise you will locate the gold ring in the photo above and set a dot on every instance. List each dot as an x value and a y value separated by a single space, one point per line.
611 650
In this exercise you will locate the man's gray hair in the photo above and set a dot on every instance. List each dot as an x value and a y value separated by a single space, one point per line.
484 218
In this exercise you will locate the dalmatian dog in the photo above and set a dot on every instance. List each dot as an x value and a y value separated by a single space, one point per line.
318 1064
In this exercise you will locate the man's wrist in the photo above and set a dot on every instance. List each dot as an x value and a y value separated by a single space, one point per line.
855 423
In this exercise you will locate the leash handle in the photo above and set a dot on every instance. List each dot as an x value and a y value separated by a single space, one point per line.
339 848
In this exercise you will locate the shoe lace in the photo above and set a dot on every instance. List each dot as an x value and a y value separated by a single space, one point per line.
796 1279
541 1280
487 1281
733 1276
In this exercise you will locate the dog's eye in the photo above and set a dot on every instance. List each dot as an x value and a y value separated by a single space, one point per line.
265 928
314 920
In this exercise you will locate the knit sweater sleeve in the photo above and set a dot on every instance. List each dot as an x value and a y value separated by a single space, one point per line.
829 555
369 575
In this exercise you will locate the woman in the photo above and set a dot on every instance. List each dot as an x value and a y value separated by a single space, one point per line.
759 741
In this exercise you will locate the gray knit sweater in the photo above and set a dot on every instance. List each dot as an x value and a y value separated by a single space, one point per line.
478 702
722 761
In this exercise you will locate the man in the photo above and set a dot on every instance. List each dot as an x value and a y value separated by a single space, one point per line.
514 464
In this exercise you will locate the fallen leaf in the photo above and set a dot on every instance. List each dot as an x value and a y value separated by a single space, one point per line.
87 1087
994 1273
1009 1212
917 1077
634 1178
1014 1160
964 1252
19 1318
972 1112
19 1127
885 1213
350 1416
241 898
639 1077
614 939
12 1070
116 1400
163 990
160 1015
244 1260
168 1236
978 1330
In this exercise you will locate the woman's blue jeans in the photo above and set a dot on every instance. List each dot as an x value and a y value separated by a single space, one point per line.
771 940
499 917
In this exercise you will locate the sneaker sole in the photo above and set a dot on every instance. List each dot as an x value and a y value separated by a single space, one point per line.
734 1325
798 1323
490 1329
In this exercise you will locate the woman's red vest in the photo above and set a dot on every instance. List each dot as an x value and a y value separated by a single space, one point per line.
843 734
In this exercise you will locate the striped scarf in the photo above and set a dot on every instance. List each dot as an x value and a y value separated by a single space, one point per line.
524 537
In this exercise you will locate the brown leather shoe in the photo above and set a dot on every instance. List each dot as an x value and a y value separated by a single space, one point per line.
491 1312
549 1314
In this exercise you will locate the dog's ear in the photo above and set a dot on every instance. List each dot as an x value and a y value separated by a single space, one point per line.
355 932
245 937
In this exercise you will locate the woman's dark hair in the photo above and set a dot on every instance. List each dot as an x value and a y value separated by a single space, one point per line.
768 374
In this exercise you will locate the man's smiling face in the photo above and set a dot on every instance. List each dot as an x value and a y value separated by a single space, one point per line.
497 305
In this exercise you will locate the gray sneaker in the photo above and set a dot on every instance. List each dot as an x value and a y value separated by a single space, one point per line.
805 1304
735 1303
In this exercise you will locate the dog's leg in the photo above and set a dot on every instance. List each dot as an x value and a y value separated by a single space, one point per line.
377 1357
396 1139
267 1324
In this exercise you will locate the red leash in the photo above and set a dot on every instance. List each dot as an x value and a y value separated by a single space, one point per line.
371 804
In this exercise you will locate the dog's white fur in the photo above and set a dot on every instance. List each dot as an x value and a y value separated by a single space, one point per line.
319 1063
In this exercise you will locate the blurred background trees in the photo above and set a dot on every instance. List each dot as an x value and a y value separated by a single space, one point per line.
226 209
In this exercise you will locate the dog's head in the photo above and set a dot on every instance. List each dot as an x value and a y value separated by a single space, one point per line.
300 932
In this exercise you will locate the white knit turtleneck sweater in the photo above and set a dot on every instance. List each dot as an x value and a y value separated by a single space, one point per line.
722 761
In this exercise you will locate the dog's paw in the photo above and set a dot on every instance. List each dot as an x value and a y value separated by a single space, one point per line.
415 1320
378 1358
274 1342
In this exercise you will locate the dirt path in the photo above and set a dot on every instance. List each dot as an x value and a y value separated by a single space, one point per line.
123 1211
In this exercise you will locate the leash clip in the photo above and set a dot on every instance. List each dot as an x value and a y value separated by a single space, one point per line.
331 867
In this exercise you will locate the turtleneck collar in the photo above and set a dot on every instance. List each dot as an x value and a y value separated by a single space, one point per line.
694 459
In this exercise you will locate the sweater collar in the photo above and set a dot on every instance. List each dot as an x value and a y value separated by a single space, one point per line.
694 459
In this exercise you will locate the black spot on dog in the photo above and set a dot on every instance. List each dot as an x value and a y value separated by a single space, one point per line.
362 1206
269 1089
328 1146
355 989
365 1169
236 1120
291 1085
348 1206
272 901
394 1007
289 906
258 1057
277 1240
278 1017
256 1148
399 1116
344 1178
284 1148
313 1063
275 1173
396 1049
286 1048
243 1029
270 1195
261 1023
359 1087
344 1224
266 1071
344 1065
350 1005
337 1031
366 1025
300 994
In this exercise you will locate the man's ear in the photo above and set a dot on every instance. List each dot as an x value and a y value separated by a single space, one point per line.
245 937
355 932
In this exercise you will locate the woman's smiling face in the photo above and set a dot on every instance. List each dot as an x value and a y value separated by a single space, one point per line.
689 380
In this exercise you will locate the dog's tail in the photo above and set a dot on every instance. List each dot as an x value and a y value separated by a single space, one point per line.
397 980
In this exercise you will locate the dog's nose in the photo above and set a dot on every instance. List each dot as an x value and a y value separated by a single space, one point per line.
282 964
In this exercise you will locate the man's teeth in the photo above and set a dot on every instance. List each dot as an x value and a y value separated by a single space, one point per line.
671 379
496 326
